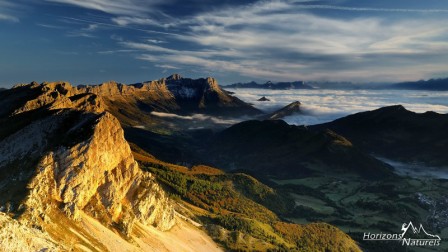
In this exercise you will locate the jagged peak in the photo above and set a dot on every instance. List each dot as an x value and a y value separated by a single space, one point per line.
294 104
110 82
58 95
174 77
32 84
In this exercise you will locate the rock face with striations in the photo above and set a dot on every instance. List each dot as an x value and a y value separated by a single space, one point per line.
66 154
173 94
100 176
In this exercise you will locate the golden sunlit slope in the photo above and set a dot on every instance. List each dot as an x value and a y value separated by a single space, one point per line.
234 210
68 177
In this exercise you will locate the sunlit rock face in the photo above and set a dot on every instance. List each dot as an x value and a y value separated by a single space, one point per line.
173 93
17 237
100 177
67 153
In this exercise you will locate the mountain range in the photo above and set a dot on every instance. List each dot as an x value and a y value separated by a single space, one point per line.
272 85
440 84
136 167
432 84
70 180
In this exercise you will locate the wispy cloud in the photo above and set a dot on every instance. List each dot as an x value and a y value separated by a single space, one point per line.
50 26
5 17
80 34
344 8
272 39
118 7
115 51
91 27
278 40
155 41
125 21
7 12
105 24
166 66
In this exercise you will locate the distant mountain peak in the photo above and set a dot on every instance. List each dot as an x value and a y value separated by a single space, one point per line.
174 77
263 99
273 85
288 110
432 84
295 104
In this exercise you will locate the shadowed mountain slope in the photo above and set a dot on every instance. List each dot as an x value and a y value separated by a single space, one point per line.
278 149
396 133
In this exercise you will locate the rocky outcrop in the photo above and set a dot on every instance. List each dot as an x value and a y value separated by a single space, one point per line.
111 88
77 160
59 95
17 237
100 176
202 90
204 95
173 94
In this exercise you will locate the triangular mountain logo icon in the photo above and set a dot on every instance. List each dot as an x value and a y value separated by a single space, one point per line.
412 232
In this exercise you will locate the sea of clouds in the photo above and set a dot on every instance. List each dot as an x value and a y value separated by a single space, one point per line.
324 105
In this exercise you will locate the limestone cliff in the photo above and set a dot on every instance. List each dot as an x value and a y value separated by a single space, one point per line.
65 154
17 237
172 94
100 177
54 95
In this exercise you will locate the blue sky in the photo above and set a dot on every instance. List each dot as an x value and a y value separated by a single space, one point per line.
88 42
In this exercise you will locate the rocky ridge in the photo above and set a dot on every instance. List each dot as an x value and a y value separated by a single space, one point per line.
172 94
17 237
272 85
73 159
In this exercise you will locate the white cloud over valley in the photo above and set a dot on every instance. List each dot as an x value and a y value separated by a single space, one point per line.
322 105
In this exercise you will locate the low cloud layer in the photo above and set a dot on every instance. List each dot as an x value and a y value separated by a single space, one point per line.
321 106
198 117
